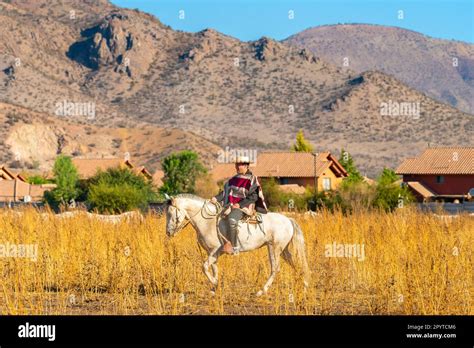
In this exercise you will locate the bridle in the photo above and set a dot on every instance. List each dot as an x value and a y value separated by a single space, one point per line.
187 220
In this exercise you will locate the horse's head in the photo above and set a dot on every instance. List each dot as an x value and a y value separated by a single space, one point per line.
175 216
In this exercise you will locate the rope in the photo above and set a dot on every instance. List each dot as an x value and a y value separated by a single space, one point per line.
211 215
216 215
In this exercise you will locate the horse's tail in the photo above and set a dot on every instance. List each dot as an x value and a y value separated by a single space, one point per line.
295 252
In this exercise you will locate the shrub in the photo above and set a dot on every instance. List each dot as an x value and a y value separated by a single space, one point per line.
330 200
356 196
112 199
279 200
118 190
38 180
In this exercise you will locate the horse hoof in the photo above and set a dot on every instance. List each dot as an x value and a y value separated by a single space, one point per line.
260 293
212 293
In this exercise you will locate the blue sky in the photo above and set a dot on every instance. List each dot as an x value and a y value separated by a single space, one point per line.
252 19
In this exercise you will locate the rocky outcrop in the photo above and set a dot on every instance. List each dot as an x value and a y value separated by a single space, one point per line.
112 43
265 48
308 56
208 42
7 70
33 142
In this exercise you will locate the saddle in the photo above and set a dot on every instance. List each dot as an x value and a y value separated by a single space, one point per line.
254 219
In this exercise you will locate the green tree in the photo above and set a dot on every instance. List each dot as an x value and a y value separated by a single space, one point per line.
389 195
66 180
117 190
347 162
181 171
387 176
301 145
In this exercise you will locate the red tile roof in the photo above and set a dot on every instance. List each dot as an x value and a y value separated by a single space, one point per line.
88 167
284 164
440 160
8 174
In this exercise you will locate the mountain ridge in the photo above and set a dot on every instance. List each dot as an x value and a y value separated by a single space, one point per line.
254 94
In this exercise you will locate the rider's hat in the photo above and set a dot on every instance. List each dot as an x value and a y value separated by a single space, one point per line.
242 159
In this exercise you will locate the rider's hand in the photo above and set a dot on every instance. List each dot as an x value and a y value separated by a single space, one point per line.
235 205
213 200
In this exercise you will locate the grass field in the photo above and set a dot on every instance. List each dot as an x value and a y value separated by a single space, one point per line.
414 264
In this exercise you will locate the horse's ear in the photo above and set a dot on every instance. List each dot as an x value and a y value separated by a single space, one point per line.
169 199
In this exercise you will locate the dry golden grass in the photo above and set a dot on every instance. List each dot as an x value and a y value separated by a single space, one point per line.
414 264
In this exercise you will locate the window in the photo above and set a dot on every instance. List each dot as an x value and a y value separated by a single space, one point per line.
283 181
326 184
439 179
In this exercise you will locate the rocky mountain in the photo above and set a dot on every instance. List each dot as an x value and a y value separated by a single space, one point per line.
32 140
140 73
443 69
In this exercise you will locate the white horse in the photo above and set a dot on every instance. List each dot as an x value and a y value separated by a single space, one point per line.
282 236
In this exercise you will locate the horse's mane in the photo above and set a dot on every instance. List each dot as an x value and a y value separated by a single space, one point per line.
190 196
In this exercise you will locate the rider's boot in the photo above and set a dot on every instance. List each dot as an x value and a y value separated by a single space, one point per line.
234 226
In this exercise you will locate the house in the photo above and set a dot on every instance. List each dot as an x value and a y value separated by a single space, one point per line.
14 188
440 173
8 174
88 167
294 171
158 178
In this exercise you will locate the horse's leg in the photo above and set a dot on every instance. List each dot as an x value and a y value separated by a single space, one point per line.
216 276
274 256
215 271
210 262
288 257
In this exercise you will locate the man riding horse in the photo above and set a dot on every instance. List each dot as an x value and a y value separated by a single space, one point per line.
242 194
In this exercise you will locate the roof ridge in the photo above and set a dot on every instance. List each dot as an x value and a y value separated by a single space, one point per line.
284 151
97 158
449 147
